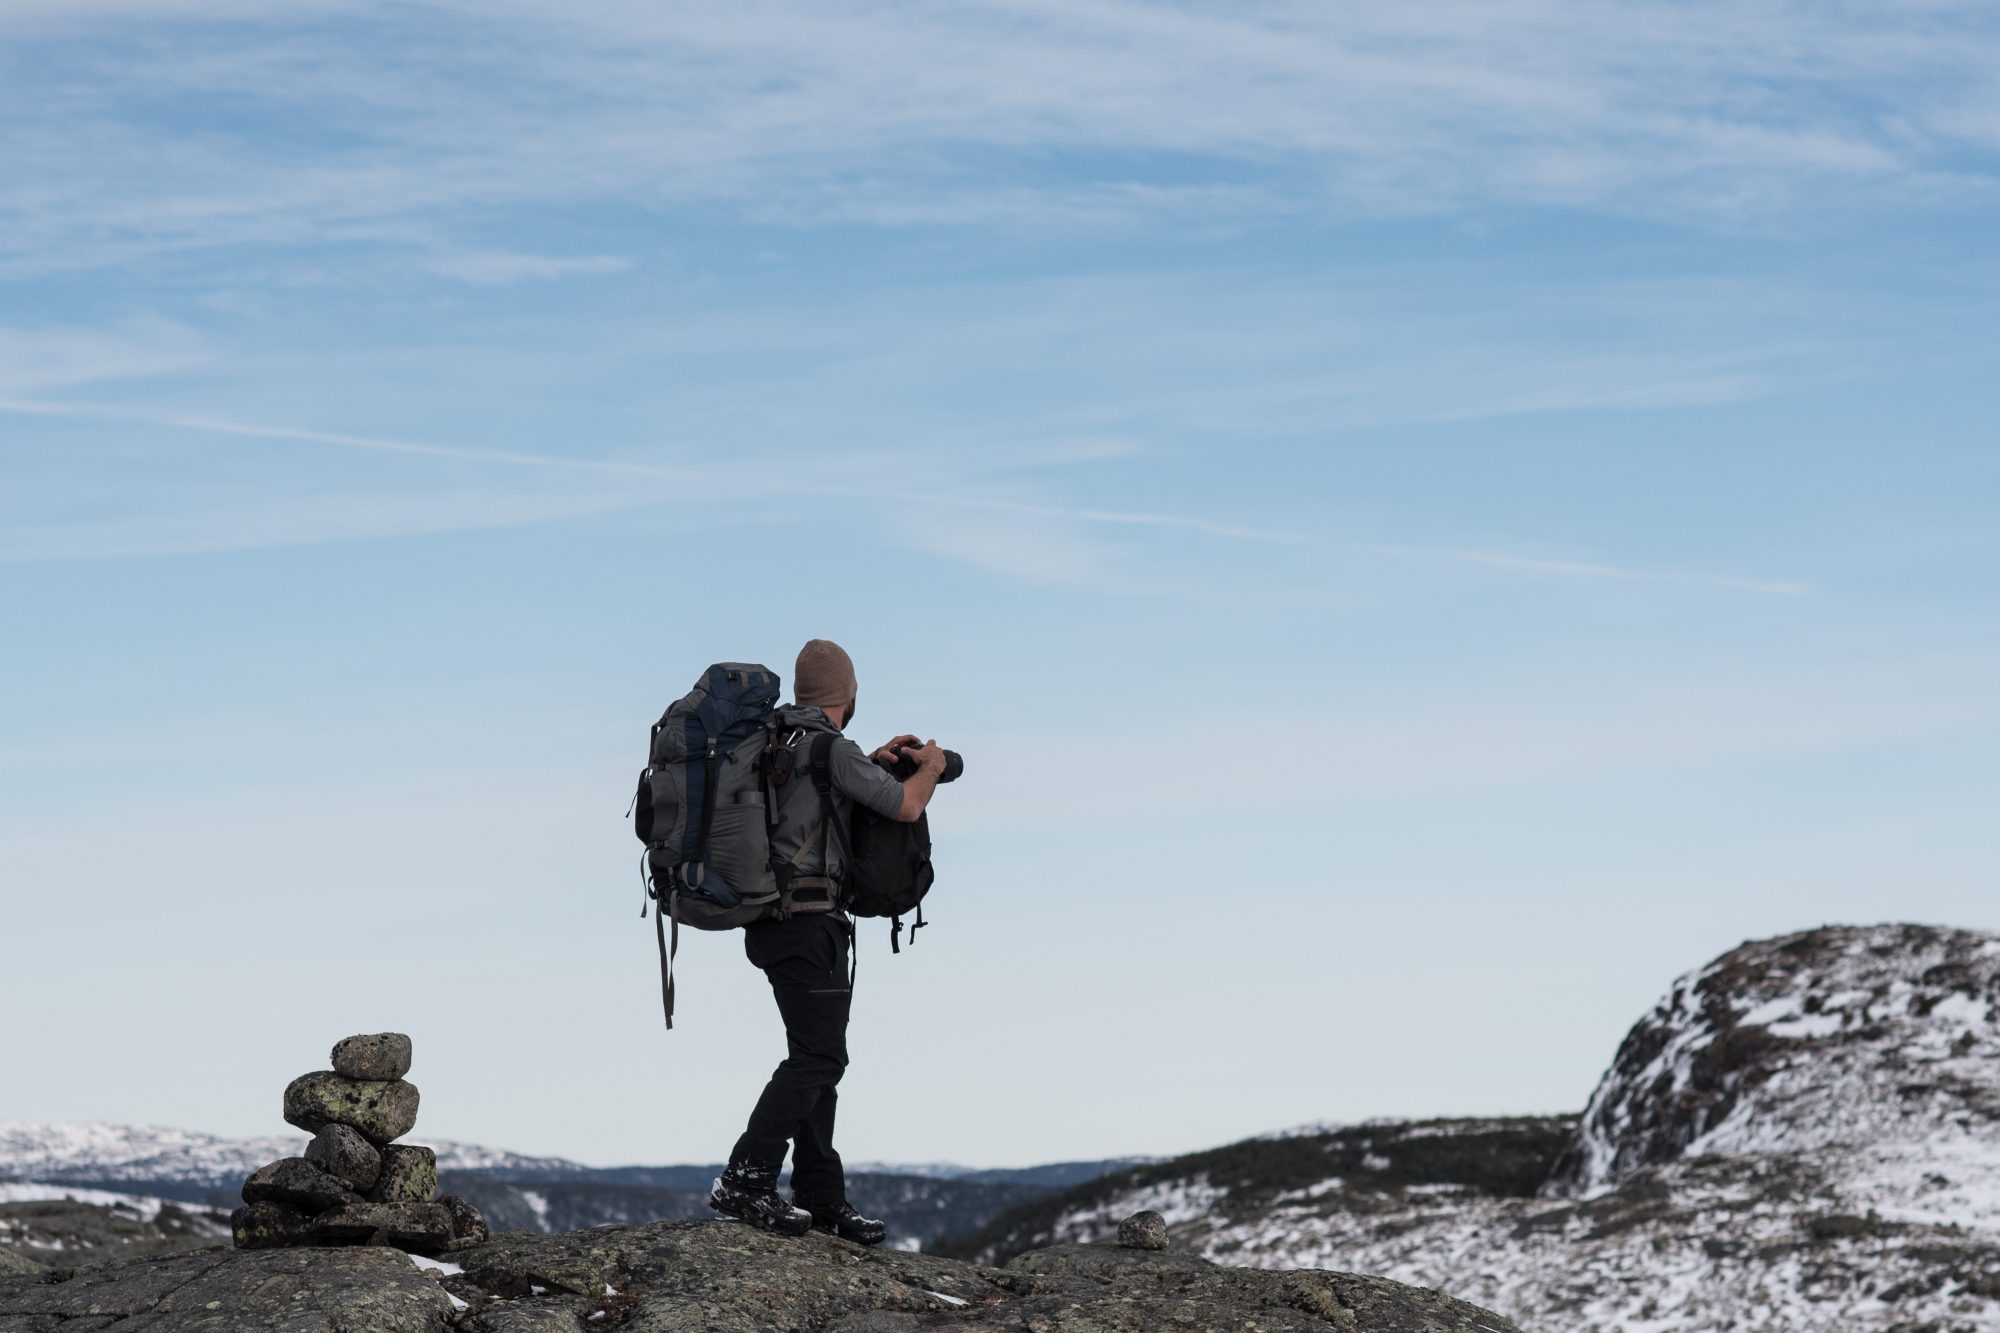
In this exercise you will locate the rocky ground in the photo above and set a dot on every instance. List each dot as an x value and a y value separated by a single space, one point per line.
90 1228
720 1277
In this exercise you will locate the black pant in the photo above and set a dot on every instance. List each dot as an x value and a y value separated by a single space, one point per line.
806 961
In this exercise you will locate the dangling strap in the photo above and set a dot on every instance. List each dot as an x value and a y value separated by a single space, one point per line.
661 917
920 922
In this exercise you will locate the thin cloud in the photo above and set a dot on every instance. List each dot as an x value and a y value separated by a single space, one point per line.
1585 569
769 479
1720 115
500 268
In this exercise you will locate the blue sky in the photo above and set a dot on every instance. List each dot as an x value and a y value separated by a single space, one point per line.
1425 523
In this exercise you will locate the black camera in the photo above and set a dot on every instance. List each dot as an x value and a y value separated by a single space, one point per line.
905 764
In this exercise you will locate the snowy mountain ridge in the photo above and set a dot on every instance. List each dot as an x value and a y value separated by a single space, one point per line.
105 1152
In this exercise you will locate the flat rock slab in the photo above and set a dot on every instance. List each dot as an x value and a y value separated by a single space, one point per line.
724 1277
346 1155
381 1111
425 1228
237 1291
380 1057
297 1182
409 1175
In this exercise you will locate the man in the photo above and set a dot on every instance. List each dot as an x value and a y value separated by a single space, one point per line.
805 957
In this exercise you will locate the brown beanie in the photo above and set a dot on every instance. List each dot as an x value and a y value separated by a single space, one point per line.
824 677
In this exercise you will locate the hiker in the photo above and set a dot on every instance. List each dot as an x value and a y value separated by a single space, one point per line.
805 955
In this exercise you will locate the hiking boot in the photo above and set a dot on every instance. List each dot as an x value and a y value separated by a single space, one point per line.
841 1220
750 1194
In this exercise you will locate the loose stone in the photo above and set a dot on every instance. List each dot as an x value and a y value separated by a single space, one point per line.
381 1111
295 1181
346 1156
425 1228
409 1175
379 1057
269 1226
1145 1230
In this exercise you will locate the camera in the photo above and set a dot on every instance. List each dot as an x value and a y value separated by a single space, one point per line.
905 764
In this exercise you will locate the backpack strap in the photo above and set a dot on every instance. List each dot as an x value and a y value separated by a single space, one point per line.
822 776
662 913
707 814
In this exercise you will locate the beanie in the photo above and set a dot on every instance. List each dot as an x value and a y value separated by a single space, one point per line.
824 677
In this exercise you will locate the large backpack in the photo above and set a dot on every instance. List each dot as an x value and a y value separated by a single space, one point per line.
708 802
704 808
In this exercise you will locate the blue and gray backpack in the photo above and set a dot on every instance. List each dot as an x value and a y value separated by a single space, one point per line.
709 800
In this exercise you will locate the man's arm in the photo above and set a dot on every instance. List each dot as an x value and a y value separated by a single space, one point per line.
919 787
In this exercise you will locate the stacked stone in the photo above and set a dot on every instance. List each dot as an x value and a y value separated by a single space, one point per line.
355 1185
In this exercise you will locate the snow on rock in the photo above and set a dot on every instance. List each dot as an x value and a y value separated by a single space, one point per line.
1869 1043
1801 1137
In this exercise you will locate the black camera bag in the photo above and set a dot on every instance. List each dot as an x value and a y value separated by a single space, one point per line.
887 862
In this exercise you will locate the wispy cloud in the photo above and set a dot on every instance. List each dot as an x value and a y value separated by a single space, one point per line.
499 268
1585 569
786 110
1038 557
37 359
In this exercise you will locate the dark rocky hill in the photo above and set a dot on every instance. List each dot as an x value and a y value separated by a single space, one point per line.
1802 1136
717 1277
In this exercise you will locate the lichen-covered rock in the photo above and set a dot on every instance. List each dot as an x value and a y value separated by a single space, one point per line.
721 1277
379 1057
409 1175
422 1227
297 1182
1145 1230
347 1156
381 1111
468 1225
243 1291
270 1226
14 1265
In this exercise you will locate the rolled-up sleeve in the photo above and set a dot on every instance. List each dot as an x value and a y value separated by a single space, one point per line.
864 781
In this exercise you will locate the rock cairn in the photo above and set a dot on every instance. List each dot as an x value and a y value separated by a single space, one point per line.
355 1185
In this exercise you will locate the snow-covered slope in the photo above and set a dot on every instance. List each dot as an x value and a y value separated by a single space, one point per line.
1801 1137
101 1154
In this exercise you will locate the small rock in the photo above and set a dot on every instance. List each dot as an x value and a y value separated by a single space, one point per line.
297 1182
1143 1231
346 1156
424 1228
409 1175
381 1111
468 1225
380 1057
269 1226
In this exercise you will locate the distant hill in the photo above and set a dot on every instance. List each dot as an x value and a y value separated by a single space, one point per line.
923 1205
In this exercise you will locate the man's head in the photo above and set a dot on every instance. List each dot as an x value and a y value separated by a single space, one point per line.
824 678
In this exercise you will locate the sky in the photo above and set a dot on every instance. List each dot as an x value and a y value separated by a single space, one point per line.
1426 522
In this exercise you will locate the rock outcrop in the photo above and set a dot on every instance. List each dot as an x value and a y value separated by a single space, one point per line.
718 1277
354 1185
1803 1136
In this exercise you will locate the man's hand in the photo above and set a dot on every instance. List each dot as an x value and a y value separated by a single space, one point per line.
918 787
887 754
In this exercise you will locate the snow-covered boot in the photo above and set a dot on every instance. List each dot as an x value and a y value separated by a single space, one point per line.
844 1222
750 1193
